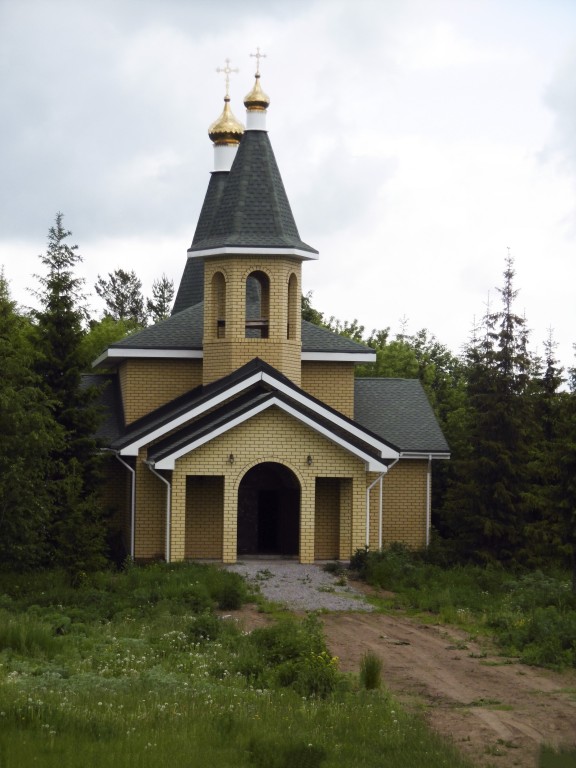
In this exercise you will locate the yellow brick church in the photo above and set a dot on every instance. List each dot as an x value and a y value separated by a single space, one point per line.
234 427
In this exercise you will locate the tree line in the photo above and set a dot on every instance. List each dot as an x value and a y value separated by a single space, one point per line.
508 494
51 470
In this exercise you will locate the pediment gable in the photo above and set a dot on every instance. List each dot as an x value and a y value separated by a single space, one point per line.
207 412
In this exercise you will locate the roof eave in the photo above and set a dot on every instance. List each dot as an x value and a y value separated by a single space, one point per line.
237 250
115 355
339 357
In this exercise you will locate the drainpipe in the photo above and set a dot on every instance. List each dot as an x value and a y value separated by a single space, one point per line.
378 479
428 499
168 508
132 501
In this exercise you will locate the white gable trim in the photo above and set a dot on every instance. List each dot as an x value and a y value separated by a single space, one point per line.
372 464
232 250
133 448
385 450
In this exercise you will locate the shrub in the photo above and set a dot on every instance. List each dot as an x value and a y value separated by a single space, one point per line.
370 671
204 627
266 753
24 635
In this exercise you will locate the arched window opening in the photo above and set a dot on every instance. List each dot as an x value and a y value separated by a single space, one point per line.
292 313
257 305
219 304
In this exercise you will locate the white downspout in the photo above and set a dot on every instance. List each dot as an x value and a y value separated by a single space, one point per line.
428 500
132 501
379 478
168 507
380 514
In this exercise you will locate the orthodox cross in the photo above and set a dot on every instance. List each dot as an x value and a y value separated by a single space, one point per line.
227 70
258 56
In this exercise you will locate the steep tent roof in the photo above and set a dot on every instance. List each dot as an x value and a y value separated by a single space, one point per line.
253 211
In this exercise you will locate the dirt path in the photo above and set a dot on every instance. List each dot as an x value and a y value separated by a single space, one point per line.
497 713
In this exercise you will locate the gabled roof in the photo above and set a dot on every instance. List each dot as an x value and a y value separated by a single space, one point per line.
399 410
207 411
253 211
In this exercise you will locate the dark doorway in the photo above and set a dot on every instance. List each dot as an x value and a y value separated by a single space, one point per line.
269 511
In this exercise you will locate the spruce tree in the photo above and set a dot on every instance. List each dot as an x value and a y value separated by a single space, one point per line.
77 532
28 436
158 307
488 503
122 294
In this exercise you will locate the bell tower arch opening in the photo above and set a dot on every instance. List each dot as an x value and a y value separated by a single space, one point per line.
257 305
269 511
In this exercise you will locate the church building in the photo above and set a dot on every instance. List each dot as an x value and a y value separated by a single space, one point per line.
235 428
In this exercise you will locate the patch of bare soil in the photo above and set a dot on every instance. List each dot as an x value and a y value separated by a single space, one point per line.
497 712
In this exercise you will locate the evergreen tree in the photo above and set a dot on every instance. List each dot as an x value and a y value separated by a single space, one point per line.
77 531
566 487
488 502
122 294
28 436
158 307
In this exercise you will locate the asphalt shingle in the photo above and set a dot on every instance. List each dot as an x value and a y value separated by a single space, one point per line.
398 410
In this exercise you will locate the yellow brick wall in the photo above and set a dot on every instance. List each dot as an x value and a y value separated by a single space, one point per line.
404 504
327 519
150 543
226 354
333 383
272 436
204 517
148 384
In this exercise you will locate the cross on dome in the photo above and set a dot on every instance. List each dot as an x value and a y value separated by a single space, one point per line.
227 70
258 56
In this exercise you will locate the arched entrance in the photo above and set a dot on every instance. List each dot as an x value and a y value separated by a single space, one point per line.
269 511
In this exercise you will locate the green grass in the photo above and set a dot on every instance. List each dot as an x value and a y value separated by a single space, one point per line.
135 669
531 615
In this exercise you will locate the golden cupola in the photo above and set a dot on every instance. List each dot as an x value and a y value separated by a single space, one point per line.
256 102
226 131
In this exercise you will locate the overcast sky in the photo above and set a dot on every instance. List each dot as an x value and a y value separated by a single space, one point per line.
417 140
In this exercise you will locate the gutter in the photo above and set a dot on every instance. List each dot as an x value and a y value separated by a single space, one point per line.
132 500
150 466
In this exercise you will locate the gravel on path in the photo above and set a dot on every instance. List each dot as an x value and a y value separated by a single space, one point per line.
301 587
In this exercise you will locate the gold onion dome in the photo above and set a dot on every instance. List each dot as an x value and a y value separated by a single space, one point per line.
226 129
257 100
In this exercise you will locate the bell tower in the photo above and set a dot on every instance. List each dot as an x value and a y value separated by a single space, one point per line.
252 252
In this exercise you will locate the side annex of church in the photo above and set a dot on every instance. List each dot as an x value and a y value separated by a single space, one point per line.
234 427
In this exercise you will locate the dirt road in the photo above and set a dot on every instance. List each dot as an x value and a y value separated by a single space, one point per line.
498 713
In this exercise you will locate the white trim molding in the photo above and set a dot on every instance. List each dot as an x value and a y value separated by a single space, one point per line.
372 464
130 353
237 250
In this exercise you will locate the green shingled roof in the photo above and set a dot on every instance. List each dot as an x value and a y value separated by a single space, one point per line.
185 329
398 410
253 211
